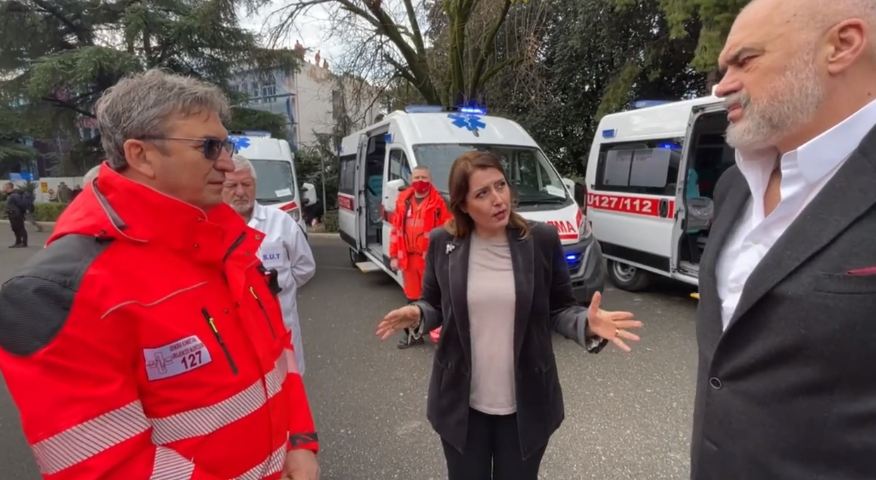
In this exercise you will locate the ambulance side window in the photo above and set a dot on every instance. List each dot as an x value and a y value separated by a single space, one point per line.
347 180
398 166
649 167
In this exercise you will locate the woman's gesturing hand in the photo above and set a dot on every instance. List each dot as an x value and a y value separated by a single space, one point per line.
398 319
612 326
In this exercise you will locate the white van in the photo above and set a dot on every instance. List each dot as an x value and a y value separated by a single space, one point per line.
376 163
273 161
650 177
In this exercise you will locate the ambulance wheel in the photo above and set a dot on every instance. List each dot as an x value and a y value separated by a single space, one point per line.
627 277
356 257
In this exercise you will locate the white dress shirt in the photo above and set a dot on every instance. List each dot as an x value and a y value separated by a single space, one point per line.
286 250
805 171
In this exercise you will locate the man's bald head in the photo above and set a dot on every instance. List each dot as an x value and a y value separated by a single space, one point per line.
809 19
795 68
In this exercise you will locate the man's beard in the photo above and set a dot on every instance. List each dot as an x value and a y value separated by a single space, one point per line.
243 208
791 102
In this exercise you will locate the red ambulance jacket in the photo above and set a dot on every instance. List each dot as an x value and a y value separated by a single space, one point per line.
412 222
145 341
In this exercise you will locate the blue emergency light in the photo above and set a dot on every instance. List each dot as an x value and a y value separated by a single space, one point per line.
473 110
669 146
573 260
610 133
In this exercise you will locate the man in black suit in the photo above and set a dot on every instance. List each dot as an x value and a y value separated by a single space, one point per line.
786 386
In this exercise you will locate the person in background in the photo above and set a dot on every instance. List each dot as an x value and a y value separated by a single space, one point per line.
65 195
500 287
17 206
284 249
418 210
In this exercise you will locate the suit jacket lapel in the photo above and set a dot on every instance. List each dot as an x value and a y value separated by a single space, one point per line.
457 263
522 262
725 221
847 196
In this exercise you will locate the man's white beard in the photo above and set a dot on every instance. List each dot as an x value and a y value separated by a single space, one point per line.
790 103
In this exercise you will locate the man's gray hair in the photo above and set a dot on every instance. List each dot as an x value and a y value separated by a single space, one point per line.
140 105
241 162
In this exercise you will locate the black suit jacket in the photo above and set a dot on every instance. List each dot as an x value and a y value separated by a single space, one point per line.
544 303
788 391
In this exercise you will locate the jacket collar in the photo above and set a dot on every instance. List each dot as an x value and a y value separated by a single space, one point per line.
114 206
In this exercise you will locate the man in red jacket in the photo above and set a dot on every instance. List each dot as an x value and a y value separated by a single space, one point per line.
418 210
145 340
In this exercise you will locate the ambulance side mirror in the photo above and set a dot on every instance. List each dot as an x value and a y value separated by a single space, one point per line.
308 194
578 191
390 193
570 184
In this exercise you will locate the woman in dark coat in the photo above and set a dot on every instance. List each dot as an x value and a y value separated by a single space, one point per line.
499 286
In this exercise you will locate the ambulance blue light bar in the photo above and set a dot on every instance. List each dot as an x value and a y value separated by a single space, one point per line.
609 133
424 109
473 110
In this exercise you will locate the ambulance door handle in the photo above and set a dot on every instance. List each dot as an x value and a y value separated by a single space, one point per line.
664 208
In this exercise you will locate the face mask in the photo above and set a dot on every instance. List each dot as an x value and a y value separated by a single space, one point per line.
421 186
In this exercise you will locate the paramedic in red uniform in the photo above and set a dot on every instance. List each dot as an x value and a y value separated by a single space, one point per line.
418 210
145 340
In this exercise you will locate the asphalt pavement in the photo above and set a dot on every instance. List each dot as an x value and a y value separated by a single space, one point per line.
627 415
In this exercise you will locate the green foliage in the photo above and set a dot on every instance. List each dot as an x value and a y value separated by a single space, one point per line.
57 57
330 221
48 212
715 17
311 163
85 71
250 119
595 57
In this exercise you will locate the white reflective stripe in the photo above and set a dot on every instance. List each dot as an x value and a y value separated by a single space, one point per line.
273 464
205 420
293 363
83 441
170 465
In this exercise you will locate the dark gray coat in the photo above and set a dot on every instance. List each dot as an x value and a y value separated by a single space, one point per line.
788 391
544 303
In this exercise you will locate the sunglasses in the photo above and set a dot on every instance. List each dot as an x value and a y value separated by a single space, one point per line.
211 148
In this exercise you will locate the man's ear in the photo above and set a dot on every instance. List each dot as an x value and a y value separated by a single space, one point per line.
846 43
136 154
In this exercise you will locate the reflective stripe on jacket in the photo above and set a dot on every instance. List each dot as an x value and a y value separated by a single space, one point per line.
144 342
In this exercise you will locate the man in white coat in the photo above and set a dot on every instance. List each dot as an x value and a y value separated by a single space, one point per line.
284 248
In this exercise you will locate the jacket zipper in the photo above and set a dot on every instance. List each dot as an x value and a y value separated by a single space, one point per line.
264 312
234 245
218 337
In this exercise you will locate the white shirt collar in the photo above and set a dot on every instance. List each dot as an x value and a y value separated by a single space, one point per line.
259 212
815 159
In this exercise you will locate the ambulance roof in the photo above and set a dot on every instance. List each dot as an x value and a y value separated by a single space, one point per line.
261 148
447 127
661 121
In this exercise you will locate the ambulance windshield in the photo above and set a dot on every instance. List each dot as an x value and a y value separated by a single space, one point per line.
530 173
274 183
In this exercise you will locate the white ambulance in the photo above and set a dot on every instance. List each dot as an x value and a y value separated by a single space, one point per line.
276 184
376 163
651 175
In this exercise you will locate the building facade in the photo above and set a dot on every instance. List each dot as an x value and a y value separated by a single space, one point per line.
314 101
